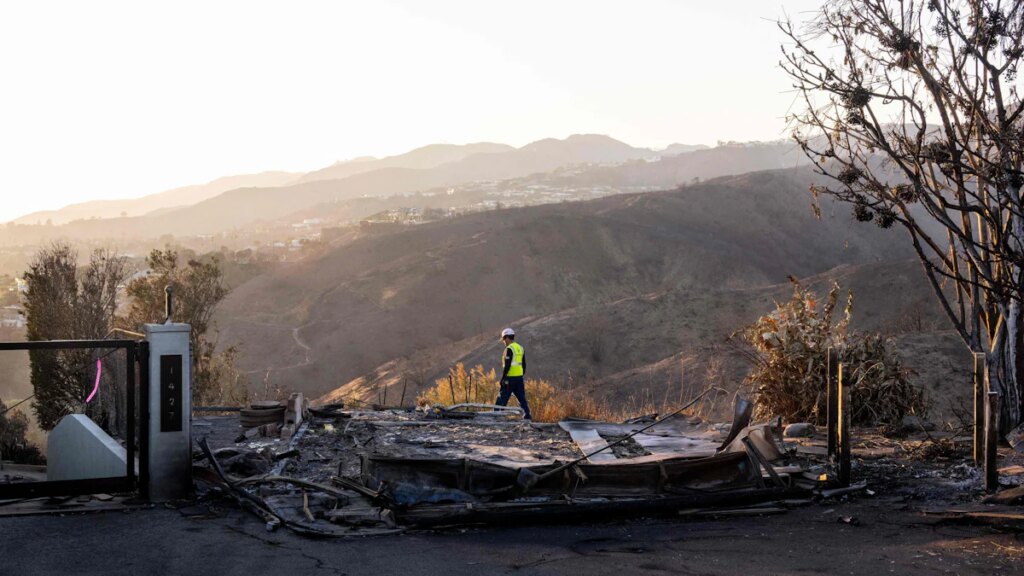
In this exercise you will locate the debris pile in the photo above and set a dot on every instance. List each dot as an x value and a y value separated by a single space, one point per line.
353 472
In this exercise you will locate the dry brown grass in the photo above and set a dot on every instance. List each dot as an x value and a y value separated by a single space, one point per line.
549 403
476 385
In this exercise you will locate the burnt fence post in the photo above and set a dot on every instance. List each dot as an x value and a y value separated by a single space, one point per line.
832 404
980 403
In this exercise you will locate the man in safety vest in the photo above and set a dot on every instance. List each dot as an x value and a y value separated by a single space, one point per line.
512 374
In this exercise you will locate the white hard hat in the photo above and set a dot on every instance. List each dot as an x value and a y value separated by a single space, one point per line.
508 332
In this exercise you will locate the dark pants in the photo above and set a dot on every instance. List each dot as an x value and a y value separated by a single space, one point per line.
515 387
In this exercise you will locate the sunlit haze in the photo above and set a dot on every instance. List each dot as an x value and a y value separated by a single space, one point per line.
122 99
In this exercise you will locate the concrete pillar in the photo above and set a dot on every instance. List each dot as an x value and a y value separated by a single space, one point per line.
169 462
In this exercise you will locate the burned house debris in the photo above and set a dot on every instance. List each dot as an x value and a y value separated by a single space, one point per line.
361 472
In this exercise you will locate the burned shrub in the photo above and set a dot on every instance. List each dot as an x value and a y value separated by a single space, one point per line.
789 348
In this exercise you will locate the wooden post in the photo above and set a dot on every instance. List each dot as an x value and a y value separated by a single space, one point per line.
832 404
992 442
844 440
979 408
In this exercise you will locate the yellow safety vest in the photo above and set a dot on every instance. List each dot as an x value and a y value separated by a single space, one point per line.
516 369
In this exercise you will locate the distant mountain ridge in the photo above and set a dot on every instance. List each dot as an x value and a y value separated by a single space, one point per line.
677 149
610 163
424 157
176 197
596 161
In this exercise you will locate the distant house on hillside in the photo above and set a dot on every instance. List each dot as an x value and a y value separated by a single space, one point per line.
307 223
21 284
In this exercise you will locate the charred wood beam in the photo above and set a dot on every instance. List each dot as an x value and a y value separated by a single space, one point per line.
561 510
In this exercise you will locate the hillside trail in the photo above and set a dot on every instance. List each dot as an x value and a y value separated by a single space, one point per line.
297 338
305 348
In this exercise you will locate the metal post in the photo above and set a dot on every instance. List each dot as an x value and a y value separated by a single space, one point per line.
168 303
979 407
170 408
844 440
144 420
991 442
832 404
130 440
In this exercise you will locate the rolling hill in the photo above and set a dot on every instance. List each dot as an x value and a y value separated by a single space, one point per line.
639 350
429 292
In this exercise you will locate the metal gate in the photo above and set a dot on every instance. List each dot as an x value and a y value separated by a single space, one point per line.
136 419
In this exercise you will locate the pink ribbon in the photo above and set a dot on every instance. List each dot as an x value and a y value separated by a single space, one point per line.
96 386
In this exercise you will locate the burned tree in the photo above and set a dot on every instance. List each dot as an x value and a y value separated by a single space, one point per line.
911 110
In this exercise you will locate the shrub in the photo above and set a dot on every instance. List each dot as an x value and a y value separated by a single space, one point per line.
13 443
789 348
474 386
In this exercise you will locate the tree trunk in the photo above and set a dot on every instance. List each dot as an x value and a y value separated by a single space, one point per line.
1006 369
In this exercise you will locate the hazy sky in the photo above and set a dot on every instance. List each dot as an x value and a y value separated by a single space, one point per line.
121 99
